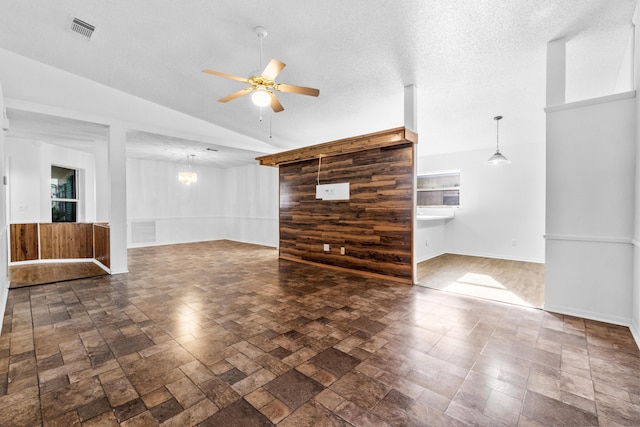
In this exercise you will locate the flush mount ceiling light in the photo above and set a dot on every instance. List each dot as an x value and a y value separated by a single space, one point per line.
188 177
498 158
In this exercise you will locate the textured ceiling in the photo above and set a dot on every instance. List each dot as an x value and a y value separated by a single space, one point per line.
470 62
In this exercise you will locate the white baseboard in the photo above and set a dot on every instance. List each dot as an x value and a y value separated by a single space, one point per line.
432 256
167 243
483 255
50 261
102 266
4 295
496 256
635 331
585 314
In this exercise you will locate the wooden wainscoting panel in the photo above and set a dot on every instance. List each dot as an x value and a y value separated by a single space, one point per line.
101 248
24 242
375 226
66 240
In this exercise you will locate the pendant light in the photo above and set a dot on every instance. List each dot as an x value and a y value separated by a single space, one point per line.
498 158
188 177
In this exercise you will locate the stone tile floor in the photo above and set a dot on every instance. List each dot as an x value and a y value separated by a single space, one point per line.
225 334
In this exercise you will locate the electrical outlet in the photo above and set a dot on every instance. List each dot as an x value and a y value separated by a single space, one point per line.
342 250
514 242
327 247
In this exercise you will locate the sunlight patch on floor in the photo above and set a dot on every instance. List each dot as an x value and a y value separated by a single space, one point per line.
483 286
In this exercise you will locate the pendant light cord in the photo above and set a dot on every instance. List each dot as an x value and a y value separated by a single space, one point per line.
497 119
498 135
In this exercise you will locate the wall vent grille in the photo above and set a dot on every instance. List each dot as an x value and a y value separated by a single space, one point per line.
143 232
82 28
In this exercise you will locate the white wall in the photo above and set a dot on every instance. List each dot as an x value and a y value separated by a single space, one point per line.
430 239
181 213
239 204
251 204
30 179
498 204
24 159
4 256
635 306
590 208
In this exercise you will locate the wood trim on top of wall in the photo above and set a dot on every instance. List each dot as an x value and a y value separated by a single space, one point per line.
386 138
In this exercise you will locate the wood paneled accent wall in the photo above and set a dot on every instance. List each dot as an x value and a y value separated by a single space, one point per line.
24 242
101 251
60 240
66 240
375 226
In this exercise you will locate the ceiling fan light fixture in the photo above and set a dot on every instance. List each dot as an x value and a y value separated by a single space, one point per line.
263 87
498 158
261 97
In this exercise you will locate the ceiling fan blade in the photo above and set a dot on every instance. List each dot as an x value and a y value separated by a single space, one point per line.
275 104
297 89
236 94
225 75
272 69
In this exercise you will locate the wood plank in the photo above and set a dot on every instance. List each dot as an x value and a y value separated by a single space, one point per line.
24 242
382 139
66 240
101 248
349 270
375 225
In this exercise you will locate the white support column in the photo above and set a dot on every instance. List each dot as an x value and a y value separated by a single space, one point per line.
103 195
118 198
4 220
556 71
411 108
411 123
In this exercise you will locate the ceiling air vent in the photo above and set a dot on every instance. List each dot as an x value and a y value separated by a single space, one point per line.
82 28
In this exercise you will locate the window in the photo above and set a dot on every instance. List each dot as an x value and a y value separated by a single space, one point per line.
439 189
64 194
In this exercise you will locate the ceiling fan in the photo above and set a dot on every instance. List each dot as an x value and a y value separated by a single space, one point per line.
262 87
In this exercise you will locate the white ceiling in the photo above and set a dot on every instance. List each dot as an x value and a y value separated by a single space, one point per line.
470 61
